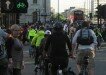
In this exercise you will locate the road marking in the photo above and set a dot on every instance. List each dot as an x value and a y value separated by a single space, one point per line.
31 62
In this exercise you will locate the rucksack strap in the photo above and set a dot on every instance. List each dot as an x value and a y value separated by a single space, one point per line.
88 33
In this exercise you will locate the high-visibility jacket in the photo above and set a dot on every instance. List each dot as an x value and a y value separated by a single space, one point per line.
31 32
37 38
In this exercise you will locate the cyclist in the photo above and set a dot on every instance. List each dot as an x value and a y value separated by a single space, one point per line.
43 54
86 40
56 45
99 37
36 42
43 41
31 33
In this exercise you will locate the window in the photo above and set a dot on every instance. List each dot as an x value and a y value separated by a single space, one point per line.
35 1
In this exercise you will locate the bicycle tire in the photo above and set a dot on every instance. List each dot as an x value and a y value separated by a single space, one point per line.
84 73
59 73
36 71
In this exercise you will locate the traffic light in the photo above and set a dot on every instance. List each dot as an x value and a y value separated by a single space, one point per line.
7 6
14 6
21 6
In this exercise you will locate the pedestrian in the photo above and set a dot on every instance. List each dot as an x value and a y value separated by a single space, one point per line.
24 34
3 53
9 43
17 51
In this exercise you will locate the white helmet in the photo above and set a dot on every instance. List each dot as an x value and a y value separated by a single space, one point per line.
48 32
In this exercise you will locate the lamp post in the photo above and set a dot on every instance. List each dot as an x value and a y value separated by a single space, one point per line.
58 10
45 10
98 14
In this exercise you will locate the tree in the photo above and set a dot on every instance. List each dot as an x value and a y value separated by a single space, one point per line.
103 14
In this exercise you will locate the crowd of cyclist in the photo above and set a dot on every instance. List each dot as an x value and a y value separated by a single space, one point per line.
50 41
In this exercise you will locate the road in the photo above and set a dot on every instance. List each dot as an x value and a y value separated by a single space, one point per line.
100 63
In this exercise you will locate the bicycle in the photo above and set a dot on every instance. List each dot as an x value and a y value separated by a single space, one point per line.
31 48
71 72
43 67
31 52
39 67
57 65
84 69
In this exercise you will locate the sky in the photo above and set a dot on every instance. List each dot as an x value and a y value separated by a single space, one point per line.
65 4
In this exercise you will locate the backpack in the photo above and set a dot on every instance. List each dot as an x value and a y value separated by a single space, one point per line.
3 54
85 40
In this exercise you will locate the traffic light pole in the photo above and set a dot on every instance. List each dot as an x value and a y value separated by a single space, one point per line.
17 18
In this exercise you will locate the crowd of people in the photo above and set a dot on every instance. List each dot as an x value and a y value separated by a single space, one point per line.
51 41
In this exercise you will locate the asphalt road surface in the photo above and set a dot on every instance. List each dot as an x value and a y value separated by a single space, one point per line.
100 63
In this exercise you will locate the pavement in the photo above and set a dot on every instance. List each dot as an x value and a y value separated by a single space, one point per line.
100 62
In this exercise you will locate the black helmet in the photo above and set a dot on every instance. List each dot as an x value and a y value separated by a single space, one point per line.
58 25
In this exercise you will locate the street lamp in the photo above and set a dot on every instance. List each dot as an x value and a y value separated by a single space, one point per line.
58 10
98 10
45 10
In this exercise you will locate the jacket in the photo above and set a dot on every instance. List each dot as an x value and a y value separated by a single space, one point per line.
37 38
31 32
57 44
17 53
85 31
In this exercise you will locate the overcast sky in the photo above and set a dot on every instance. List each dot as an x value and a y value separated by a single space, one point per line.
65 4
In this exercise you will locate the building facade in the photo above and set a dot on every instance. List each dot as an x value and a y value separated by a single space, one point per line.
38 10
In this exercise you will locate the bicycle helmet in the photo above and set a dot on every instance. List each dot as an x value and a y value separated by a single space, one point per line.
58 25
48 32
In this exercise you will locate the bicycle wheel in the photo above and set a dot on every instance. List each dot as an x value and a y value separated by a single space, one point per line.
86 73
59 72
36 71
70 72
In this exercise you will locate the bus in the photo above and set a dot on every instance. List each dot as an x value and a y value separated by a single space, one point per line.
76 15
